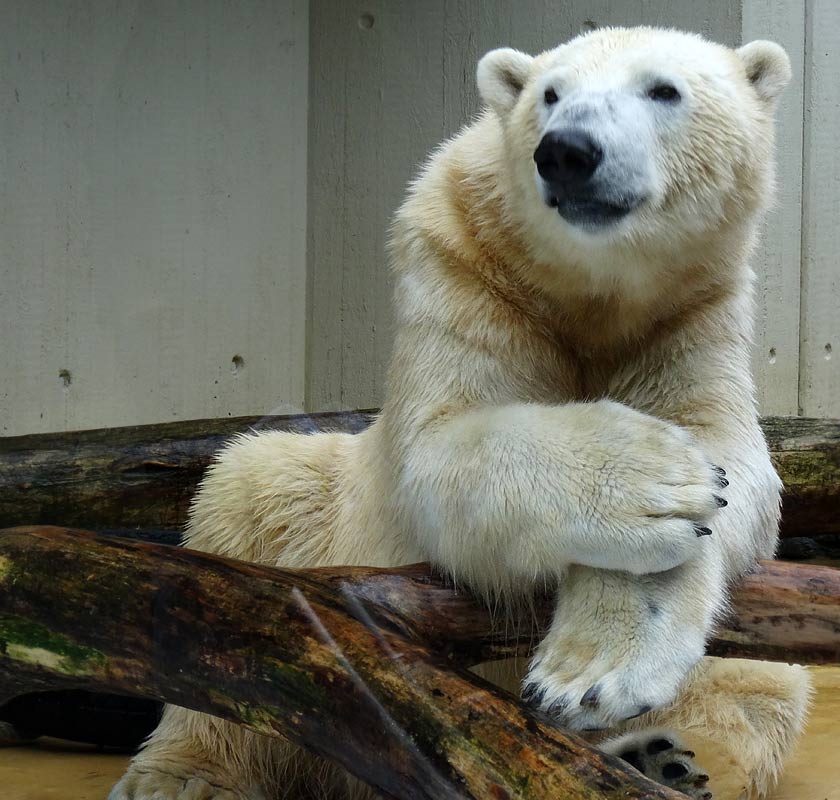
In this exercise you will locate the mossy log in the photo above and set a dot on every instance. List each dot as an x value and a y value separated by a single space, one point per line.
363 666
144 476
121 478
282 653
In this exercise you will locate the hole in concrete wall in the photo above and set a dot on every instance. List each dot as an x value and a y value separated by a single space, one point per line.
237 364
66 378
588 25
366 22
827 350
772 355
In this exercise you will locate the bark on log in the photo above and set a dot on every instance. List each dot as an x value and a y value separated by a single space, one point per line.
807 454
280 653
349 662
144 476
136 477
784 612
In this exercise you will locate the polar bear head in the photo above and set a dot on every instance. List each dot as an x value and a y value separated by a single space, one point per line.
653 137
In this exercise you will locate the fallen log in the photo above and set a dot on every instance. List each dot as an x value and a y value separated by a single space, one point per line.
783 612
281 653
347 662
141 476
144 476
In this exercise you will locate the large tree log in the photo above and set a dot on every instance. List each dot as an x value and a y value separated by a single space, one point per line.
144 476
783 612
236 640
136 477
283 653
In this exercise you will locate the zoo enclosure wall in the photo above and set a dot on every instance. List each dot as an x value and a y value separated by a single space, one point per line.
195 196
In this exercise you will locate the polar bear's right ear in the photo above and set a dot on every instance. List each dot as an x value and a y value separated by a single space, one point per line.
501 75
768 68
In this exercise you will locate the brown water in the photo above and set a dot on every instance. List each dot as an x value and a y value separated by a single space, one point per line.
55 770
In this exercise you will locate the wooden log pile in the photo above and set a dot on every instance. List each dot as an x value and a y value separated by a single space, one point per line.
144 476
366 667
363 666
303 653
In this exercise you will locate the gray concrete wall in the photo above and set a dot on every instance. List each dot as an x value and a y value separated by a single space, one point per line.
194 196
152 210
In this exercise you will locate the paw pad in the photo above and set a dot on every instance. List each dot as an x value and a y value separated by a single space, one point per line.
662 758
673 770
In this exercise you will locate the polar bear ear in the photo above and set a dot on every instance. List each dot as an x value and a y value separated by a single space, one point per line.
768 68
501 75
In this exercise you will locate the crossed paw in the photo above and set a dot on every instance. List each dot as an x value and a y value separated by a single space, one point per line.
661 756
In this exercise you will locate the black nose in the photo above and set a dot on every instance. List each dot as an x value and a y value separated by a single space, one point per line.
568 157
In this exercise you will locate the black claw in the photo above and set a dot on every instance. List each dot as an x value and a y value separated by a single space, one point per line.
659 746
700 531
558 706
720 471
673 771
533 695
701 780
723 483
642 710
590 698
687 753
721 503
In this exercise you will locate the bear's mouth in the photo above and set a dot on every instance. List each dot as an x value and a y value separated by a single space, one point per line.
590 211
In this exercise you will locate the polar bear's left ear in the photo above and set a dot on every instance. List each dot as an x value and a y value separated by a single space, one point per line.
768 68
501 75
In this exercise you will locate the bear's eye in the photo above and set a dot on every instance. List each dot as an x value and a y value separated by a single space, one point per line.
664 93
550 97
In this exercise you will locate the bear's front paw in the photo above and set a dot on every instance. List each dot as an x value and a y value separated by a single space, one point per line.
661 756
654 498
590 673
149 783
592 698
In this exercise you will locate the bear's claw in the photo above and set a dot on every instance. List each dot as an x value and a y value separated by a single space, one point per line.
590 697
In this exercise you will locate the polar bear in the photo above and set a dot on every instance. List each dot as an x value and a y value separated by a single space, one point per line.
569 400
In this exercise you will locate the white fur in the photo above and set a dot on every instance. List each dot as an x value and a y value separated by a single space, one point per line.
556 400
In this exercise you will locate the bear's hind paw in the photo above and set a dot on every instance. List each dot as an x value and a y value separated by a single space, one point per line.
661 756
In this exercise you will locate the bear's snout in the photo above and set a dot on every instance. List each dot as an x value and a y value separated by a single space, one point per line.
567 158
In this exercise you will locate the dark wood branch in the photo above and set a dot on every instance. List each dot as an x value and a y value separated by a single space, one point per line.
785 612
144 476
137 477
782 612
282 653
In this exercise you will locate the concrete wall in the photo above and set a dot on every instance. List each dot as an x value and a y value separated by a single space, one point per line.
152 210
194 196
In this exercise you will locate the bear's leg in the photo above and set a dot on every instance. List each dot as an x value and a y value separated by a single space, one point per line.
742 717
286 500
192 756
